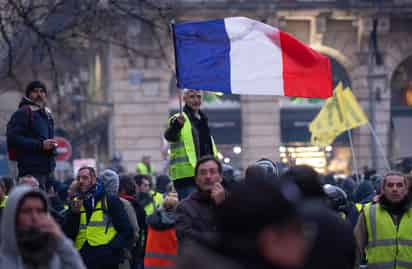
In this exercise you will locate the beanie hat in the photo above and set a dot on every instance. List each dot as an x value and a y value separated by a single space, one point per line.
270 167
33 85
110 180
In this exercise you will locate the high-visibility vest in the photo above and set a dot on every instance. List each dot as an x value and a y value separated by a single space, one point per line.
99 230
141 168
3 203
360 206
388 246
157 201
183 155
161 248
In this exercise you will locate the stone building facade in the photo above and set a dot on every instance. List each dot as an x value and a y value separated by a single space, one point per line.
138 87
339 29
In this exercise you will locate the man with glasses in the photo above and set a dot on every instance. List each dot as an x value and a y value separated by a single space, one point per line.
196 214
30 134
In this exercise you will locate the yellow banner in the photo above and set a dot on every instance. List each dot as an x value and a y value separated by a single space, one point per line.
352 111
340 113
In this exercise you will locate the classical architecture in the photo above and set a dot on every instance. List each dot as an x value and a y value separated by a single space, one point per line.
140 90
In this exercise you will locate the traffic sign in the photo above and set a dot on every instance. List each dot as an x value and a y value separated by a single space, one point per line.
64 149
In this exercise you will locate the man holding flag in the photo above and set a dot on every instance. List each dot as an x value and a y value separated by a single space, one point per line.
189 137
234 55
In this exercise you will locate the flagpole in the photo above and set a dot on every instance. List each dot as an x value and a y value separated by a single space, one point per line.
380 147
172 30
355 165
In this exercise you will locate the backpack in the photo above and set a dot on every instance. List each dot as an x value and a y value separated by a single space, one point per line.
11 150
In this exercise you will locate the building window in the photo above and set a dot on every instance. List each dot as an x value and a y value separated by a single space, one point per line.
401 85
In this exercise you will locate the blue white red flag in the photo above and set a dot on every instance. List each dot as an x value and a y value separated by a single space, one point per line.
242 56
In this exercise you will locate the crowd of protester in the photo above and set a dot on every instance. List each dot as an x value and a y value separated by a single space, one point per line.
271 218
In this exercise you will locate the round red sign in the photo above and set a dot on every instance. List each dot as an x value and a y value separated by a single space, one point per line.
64 149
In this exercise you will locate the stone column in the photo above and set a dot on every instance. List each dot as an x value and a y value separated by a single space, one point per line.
140 93
261 128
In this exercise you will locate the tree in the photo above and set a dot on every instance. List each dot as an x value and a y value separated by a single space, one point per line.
47 37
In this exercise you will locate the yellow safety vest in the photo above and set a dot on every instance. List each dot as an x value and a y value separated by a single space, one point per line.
157 201
360 206
99 230
183 155
141 168
388 246
3 203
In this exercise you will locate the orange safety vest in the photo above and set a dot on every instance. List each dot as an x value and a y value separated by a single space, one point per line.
161 248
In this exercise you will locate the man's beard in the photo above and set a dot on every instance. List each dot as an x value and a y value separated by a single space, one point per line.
40 101
36 247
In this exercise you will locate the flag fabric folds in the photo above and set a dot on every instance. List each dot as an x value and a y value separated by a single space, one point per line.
239 55
340 113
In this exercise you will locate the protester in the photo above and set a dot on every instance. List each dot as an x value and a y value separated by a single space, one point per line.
110 180
190 139
333 243
383 229
263 169
8 183
145 167
127 190
163 184
29 236
148 198
161 246
3 197
257 231
327 227
30 181
196 214
30 135
97 223
307 179
337 200
364 193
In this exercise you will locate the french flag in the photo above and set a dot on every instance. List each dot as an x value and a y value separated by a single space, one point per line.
239 55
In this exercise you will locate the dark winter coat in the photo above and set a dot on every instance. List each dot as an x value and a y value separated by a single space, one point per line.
29 126
202 257
332 239
196 220
138 250
112 253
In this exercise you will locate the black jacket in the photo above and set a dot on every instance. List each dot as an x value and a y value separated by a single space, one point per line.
28 127
196 219
113 253
139 249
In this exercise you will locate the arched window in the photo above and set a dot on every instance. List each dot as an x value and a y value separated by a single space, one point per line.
401 110
401 85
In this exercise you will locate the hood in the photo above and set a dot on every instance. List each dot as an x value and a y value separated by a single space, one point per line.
8 222
28 102
110 180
